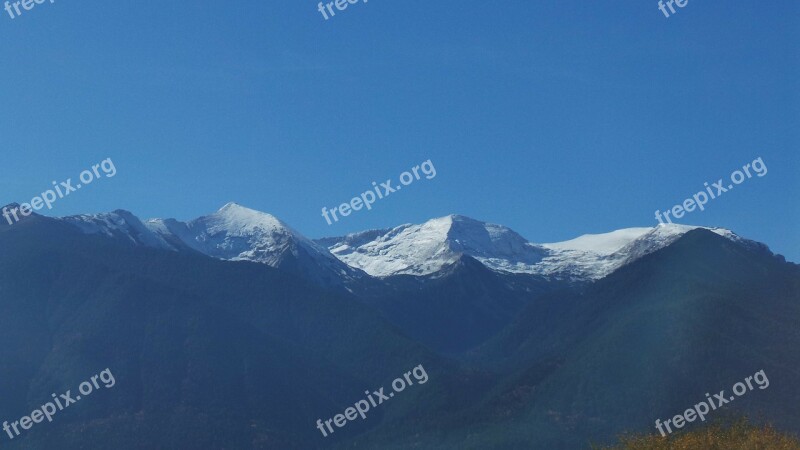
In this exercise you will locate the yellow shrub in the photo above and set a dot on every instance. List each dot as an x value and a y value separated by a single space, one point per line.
739 436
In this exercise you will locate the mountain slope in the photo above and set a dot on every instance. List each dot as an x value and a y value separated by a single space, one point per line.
206 353
646 342
458 308
430 247
427 248
236 233
232 233
211 353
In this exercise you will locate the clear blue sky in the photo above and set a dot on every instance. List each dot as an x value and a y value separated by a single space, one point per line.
555 118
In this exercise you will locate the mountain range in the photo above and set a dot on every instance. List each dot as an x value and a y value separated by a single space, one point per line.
234 330
237 233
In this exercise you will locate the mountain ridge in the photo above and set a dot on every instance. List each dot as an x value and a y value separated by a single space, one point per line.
211 353
237 233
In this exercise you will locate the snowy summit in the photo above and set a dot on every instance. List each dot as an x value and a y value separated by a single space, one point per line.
237 233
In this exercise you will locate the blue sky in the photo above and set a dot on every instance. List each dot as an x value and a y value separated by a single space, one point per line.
554 118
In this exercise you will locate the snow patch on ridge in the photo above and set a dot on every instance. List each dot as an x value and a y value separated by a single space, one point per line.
237 233
428 248
232 233
601 244
120 224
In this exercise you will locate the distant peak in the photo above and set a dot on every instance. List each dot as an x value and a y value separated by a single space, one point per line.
123 213
232 205
455 218
237 210
456 225
241 220
452 222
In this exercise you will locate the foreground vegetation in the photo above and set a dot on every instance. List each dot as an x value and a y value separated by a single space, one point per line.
738 436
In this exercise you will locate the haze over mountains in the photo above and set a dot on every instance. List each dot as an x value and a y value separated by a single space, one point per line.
235 331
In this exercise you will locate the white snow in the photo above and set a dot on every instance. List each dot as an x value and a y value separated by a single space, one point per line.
603 244
238 233
118 224
232 233
428 248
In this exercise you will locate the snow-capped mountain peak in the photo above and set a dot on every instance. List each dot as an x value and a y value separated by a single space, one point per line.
239 220
601 244
119 224
237 233
233 233
593 256
427 248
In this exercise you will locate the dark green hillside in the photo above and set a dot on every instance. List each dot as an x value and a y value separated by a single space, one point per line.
646 342
204 352
457 310
217 354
